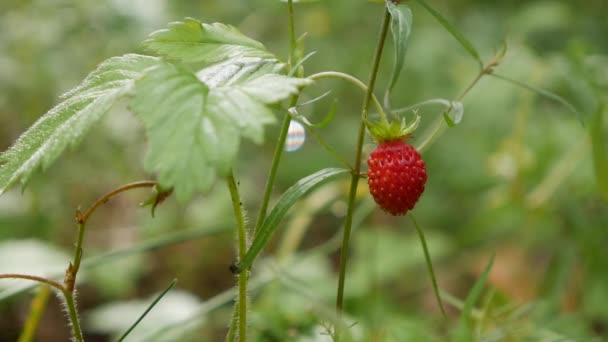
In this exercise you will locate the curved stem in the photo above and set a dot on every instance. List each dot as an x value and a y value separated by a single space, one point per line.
41 280
68 295
429 263
355 81
105 198
242 244
82 220
439 124
72 270
356 174
443 102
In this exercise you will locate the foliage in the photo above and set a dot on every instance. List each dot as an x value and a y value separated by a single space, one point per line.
518 176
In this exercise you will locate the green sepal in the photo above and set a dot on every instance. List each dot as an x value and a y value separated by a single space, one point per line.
389 131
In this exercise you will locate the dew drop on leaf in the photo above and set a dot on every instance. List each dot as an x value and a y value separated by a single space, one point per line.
296 135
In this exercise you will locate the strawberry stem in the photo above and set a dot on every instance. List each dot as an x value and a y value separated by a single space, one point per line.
242 250
429 263
278 151
356 175
357 83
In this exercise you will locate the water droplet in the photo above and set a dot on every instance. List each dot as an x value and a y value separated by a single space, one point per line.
296 136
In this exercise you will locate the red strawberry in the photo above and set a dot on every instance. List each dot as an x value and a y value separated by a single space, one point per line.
396 176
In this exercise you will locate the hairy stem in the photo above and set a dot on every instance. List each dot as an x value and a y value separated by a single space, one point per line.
242 244
72 270
82 220
356 174
73 314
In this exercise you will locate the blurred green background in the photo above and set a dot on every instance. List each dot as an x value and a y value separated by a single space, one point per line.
515 178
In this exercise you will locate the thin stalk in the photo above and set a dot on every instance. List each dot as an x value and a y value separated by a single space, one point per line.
41 280
72 270
292 34
439 124
328 148
276 159
355 81
356 174
105 198
36 310
68 295
82 220
429 263
73 313
278 149
242 244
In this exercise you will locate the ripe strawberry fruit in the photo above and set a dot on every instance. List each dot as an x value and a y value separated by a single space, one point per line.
396 176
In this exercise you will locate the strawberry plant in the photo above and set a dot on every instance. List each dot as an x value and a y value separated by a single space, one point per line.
203 90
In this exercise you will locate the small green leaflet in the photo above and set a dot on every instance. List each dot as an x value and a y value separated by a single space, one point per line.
289 198
194 128
401 27
464 42
66 123
192 41
454 113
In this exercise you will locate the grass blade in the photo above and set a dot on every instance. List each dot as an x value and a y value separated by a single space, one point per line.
466 44
301 188
464 331
429 263
156 300
599 150
543 92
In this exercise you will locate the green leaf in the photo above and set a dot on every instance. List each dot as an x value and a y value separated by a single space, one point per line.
454 113
301 188
600 152
194 127
466 44
401 27
69 121
464 331
545 93
193 41
154 302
